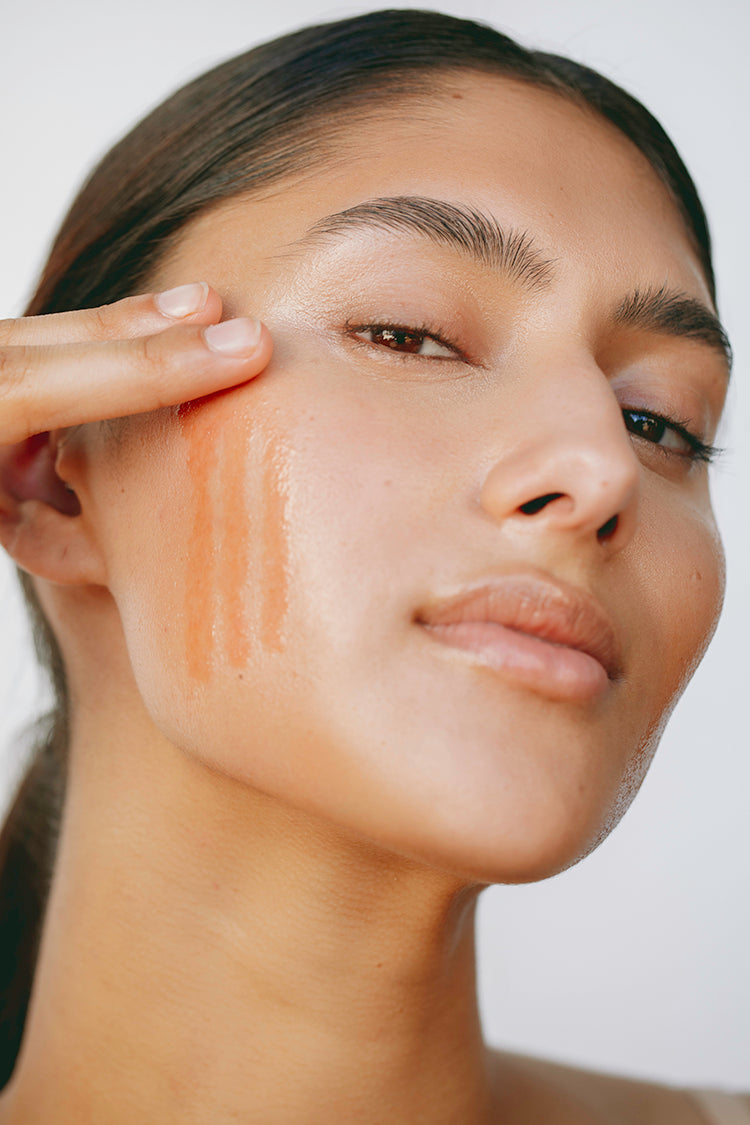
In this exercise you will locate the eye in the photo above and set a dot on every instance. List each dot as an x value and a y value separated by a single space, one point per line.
406 340
667 434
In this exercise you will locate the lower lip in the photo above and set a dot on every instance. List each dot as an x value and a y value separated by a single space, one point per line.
555 670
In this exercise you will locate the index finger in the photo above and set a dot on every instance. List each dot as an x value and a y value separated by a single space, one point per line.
56 386
142 315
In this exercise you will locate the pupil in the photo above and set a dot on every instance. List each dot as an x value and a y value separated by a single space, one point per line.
650 428
393 338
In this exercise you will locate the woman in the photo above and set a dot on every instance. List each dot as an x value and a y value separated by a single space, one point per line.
400 618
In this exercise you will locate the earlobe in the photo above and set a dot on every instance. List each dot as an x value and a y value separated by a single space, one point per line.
42 526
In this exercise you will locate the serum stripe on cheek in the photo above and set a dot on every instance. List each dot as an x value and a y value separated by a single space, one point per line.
199 639
275 545
234 556
219 554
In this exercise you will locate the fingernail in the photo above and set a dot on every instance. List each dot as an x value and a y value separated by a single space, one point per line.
233 337
183 300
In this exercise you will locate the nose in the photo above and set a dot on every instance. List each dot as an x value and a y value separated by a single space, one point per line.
573 469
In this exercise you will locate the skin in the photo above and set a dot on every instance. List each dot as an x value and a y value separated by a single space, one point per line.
284 796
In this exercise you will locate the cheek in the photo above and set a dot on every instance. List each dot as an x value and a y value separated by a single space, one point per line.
680 593
198 542
259 558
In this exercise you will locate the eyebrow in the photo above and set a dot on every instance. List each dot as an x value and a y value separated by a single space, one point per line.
674 314
461 228
479 236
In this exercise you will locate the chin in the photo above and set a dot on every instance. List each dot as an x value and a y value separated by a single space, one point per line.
511 833
525 853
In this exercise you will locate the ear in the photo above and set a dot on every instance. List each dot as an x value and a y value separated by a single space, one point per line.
42 525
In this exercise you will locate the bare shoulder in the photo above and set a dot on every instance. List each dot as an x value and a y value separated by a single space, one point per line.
530 1089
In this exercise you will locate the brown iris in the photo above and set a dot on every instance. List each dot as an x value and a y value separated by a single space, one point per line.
396 338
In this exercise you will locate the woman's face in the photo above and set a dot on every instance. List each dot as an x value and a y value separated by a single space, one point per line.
439 574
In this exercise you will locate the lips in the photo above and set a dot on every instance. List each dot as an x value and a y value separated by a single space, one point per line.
543 632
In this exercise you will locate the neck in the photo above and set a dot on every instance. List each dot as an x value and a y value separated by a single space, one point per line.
210 954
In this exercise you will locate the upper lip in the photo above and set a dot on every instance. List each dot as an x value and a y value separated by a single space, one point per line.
549 609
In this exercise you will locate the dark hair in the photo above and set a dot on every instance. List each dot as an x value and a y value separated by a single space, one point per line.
261 117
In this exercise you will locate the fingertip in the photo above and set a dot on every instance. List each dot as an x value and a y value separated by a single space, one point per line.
182 301
265 347
193 302
214 306
238 338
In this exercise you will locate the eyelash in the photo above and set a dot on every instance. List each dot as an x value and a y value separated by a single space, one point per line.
698 450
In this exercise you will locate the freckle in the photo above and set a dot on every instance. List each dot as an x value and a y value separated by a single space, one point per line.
274 538
234 553
199 579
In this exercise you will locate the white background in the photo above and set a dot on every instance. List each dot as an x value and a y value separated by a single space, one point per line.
636 960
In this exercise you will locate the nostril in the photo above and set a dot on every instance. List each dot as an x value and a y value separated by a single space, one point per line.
534 506
607 530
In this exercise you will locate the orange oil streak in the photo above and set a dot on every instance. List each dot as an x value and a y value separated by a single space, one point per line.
235 554
275 546
199 637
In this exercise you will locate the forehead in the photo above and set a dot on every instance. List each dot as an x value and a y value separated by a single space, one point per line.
529 157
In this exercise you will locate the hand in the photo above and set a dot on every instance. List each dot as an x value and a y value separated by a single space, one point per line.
135 355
